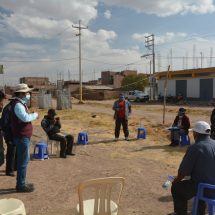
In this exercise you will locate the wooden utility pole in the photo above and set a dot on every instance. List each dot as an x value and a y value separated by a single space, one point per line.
164 97
80 70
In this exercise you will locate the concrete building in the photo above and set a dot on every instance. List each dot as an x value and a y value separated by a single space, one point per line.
35 81
114 79
193 84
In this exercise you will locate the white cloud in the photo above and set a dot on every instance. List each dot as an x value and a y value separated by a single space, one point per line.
166 7
107 14
57 10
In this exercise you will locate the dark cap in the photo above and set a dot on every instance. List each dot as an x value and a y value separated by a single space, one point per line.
52 112
182 110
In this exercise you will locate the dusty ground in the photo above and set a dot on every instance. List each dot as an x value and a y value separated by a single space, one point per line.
144 163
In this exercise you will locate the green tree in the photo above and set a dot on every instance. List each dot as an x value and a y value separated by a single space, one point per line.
135 82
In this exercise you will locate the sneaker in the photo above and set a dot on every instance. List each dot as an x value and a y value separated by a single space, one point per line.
28 188
10 174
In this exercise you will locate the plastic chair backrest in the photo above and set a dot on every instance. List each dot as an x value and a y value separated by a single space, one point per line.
103 189
201 196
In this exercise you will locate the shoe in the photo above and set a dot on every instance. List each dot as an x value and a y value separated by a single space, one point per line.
28 188
173 144
70 153
116 139
63 156
10 174
126 138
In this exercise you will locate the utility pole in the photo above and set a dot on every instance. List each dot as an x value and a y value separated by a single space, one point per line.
150 44
201 59
79 27
164 96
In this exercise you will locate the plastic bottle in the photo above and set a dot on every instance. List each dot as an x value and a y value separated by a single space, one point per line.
168 182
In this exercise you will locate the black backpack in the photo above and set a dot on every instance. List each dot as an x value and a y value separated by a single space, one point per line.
5 121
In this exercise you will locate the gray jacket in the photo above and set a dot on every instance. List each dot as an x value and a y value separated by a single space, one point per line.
127 108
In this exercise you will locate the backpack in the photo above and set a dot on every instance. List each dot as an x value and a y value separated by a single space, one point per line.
5 121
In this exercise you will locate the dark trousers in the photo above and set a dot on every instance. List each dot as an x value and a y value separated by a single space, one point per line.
182 191
124 123
11 158
66 142
1 150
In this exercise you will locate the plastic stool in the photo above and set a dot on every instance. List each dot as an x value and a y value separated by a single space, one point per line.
209 200
185 140
83 138
41 151
12 207
141 133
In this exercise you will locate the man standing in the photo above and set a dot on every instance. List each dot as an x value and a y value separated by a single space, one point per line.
198 163
182 123
8 137
2 97
122 109
51 125
22 131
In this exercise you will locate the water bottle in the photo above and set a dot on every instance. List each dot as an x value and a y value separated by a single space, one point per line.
168 182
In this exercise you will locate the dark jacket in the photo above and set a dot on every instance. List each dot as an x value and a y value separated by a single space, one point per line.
185 124
50 126
6 122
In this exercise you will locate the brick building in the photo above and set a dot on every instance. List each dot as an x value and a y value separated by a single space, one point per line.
115 78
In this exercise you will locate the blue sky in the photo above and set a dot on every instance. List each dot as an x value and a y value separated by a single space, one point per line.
37 37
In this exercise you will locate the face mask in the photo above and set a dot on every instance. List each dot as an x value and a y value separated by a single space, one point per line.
27 98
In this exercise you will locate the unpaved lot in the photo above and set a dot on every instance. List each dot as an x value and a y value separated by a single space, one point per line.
144 163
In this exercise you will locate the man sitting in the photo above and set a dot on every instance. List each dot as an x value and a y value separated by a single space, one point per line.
182 123
51 125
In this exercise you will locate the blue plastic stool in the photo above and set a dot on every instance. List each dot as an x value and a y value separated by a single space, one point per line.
207 200
83 138
41 151
185 140
141 133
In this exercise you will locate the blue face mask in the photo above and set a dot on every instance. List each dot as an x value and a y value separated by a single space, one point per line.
27 98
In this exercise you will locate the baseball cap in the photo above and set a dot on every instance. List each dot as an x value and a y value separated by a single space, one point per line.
201 127
182 110
52 112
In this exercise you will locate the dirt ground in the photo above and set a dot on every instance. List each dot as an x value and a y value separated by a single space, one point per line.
144 164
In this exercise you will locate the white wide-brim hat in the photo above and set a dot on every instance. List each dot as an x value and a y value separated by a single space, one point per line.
201 127
22 88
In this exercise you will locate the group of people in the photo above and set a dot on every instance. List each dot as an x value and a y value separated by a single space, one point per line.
16 129
198 163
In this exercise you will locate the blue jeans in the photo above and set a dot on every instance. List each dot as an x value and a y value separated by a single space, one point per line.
23 156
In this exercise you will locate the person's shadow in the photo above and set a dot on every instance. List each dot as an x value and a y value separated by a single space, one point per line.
7 191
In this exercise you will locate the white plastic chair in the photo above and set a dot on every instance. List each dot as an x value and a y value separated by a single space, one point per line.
102 203
12 207
54 143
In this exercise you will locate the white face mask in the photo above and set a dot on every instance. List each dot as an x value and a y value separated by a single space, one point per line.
27 98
